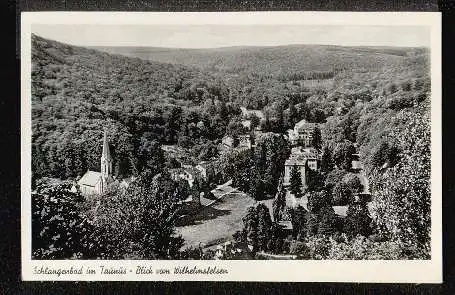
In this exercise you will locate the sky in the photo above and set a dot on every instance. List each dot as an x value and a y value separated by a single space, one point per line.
213 36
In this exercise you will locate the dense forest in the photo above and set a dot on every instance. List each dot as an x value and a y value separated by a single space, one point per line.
377 104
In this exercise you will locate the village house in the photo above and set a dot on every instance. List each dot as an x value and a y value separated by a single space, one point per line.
244 141
206 169
93 182
187 173
302 133
301 158
126 182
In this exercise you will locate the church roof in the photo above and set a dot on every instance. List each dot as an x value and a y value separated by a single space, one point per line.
90 178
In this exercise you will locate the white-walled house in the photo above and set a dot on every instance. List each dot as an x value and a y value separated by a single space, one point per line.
301 158
302 133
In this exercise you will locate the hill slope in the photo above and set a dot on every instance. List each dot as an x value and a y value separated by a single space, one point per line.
76 92
274 60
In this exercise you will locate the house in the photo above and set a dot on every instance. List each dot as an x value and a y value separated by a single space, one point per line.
126 182
93 182
244 141
246 124
301 158
286 226
356 164
302 133
228 141
188 174
206 169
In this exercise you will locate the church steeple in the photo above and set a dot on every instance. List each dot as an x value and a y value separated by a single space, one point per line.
106 161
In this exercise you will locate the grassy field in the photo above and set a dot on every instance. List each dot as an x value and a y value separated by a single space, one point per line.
216 223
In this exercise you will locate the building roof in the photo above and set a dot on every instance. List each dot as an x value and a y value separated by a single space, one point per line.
300 155
356 164
295 161
304 124
246 123
286 224
127 181
340 210
90 178
248 112
309 151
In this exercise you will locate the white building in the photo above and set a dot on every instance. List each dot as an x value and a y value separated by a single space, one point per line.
187 174
301 157
302 133
244 141
93 182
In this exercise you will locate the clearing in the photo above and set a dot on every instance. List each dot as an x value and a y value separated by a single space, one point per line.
216 223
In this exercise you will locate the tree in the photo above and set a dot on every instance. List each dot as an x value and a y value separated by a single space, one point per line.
255 121
342 194
278 205
327 164
140 221
278 125
264 226
314 179
353 182
312 224
59 229
327 221
299 217
403 195
317 115
385 153
296 181
343 154
333 178
266 125
276 240
317 201
293 114
357 220
316 140
250 227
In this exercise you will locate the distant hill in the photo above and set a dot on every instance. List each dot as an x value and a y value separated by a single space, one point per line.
274 60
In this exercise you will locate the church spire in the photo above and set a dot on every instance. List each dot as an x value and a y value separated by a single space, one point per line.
106 153
106 161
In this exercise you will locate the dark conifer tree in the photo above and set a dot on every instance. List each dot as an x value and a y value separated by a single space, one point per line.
327 221
316 140
358 220
296 181
327 164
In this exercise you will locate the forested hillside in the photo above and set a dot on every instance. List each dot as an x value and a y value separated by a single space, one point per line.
374 101
78 91
75 89
274 60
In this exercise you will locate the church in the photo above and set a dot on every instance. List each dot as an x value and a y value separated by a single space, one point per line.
93 182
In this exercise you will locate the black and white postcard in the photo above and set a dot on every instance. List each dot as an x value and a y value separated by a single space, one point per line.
267 146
